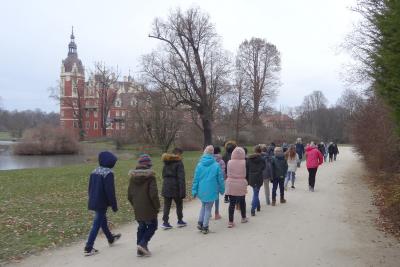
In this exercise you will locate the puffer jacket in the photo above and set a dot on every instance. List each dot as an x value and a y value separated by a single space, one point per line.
101 189
208 179
255 166
267 172
314 157
143 193
279 167
236 183
173 173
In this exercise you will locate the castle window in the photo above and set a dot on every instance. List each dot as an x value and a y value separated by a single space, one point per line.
76 124
118 102
95 125
117 113
95 113
88 125
123 113
87 114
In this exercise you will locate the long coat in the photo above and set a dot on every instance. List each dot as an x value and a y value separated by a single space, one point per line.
255 165
174 185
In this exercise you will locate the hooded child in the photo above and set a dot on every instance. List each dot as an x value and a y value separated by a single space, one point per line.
101 196
208 182
255 167
279 170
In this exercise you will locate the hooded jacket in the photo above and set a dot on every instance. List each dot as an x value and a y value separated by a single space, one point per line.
208 179
101 189
279 166
255 166
143 193
300 150
236 183
314 157
229 147
174 185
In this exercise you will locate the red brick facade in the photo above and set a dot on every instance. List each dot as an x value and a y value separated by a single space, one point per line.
80 101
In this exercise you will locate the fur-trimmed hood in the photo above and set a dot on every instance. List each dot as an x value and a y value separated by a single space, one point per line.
141 175
169 158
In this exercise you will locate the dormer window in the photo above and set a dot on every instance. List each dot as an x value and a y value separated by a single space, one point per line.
118 102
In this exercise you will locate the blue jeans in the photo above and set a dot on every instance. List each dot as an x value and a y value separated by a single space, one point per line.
255 203
217 205
275 183
205 213
100 220
290 176
145 232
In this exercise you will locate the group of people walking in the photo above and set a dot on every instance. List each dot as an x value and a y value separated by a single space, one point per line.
215 175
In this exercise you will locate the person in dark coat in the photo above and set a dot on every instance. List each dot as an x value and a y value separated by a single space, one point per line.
143 196
267 154
255 167
101 196
229 147
335 151
321 148
331 150
300 150
174 186
279 171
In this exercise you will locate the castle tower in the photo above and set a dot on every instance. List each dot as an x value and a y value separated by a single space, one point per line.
72 85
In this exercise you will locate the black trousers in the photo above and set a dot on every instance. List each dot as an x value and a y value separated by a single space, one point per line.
167 206
232 202
330 157
312 172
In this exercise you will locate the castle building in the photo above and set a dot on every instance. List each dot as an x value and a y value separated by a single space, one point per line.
84 104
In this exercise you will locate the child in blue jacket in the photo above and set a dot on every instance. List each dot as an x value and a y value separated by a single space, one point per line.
208 182
101 196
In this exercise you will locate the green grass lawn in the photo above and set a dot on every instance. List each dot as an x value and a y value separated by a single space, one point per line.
42 208
5 136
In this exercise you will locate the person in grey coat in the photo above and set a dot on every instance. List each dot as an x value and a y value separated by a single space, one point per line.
267 154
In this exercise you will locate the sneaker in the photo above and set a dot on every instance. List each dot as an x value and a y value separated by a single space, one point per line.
283 200
199 226
258 208
139 253
181 224
115 239
144 250
312 189
253 213
166 226
244 220
273 202
217 216
90 252
293 187
231 225
205 230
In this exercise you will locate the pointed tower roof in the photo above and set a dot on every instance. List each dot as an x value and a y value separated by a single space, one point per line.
72 57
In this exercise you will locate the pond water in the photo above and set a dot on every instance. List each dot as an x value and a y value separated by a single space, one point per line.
8 161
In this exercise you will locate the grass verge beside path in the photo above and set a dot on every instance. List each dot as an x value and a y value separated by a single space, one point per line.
5 136
43 208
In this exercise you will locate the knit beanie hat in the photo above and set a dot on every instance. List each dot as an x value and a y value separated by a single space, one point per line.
145 160
209 150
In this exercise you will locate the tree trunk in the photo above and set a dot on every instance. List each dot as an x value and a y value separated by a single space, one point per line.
207 131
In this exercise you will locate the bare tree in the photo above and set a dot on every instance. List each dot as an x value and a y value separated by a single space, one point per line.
350 100
241 106
190 64
260 62
106 86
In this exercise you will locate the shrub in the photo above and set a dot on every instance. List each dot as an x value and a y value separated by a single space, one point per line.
46 140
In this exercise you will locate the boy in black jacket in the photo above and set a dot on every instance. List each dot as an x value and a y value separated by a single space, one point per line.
101 196
279 170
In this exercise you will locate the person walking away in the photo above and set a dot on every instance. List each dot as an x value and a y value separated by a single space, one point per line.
255 167
285 147
236 184
292 159
299 150
331 150
207 183
267 154
321 148
173 187
279 170
314 160
326 152
335 151
101 196
229 147
143 196
220 161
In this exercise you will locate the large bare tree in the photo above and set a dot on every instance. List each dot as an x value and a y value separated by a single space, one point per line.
260 62
106 86
190 64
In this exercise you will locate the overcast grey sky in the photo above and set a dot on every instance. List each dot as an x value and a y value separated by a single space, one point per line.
35 35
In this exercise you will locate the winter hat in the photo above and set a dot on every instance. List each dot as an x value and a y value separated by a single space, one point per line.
209 150
145 160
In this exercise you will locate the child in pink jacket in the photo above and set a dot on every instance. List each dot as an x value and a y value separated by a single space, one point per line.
314 159
236 184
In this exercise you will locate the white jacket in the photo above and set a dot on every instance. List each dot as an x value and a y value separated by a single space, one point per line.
292 164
